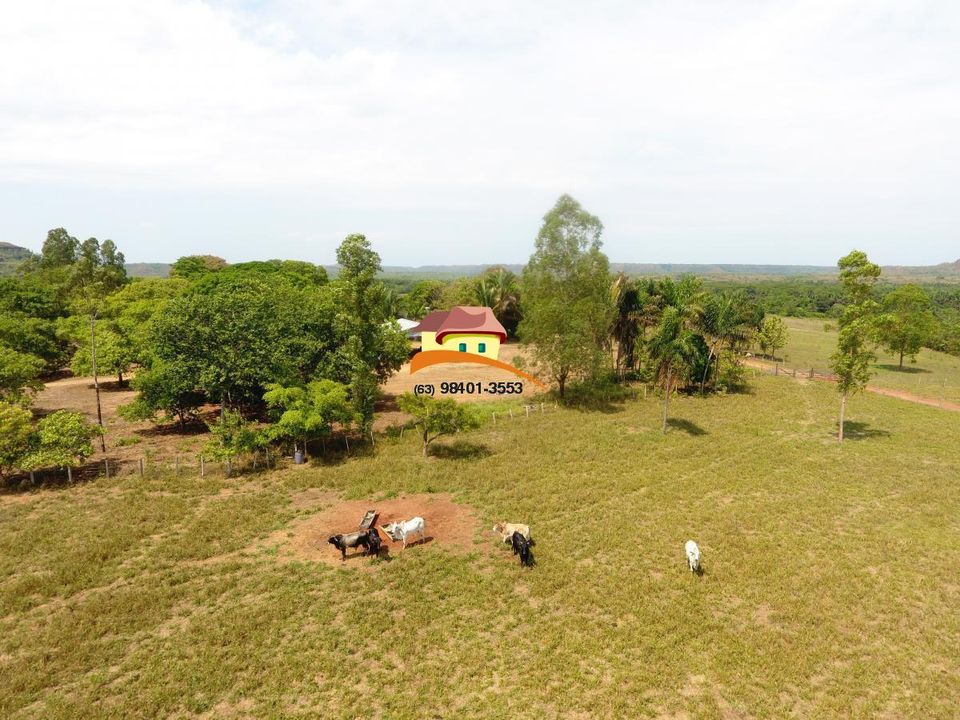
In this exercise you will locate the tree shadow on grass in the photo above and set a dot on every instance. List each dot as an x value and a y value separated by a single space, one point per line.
855 430
690 428
607 399
906 370
460 450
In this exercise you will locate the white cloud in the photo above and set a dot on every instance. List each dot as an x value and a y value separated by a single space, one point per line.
698 121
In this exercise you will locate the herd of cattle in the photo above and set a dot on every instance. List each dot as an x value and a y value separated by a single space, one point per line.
371 539
516 534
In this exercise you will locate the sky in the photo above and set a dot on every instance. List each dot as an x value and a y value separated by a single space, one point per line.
699 132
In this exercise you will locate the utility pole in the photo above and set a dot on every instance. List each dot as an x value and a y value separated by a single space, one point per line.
96 382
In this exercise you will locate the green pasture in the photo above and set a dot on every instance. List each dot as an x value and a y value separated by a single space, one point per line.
935 375
830 587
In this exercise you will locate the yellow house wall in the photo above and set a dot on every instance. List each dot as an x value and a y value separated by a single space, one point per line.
428 341
452 342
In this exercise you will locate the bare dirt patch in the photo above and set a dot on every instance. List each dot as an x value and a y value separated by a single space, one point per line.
448 524
402 381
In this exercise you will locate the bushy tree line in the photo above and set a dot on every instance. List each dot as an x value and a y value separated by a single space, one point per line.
265 342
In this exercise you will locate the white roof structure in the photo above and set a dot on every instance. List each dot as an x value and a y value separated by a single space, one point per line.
406 325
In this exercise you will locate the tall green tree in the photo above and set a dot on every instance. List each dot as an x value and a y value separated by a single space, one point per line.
568 309
371 347
60 249
851 361
906 322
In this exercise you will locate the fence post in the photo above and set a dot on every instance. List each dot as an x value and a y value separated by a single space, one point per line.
541 408
404 427
511 413
494 418
141 468
229 467
776 368
69 473
811 373
527 408
106 468
794 372
201 466
32 481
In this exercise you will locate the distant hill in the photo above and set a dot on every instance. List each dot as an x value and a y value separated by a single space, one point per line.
11 256
146 270
945 272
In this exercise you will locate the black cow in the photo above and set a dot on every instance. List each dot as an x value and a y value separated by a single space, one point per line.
521 547
351 540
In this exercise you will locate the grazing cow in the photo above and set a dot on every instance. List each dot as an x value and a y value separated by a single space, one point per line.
506 531
350 540
521 547
374 542
403 530
693 556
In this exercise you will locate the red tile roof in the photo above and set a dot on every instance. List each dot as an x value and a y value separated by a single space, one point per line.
476 320
431 322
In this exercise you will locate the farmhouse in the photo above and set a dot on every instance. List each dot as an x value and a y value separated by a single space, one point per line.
463 329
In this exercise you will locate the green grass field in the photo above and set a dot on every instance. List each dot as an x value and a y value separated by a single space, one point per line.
830 588
935 375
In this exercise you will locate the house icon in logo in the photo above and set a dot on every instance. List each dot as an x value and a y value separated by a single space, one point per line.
462 329
463 334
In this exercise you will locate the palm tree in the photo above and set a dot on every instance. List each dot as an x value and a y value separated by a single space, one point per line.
723 323
629 320
673 345
499 290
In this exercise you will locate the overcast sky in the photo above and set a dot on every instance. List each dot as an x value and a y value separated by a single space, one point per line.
710 131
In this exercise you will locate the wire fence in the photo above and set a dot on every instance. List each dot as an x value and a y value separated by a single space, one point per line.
934 392
204 466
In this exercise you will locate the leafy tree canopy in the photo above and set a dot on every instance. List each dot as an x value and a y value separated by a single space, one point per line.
63 440
434 418
568 308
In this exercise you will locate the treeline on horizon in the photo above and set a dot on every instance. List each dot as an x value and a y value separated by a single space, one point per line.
287 354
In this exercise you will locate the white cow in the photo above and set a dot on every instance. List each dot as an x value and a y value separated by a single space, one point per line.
402 530
693 556
506 530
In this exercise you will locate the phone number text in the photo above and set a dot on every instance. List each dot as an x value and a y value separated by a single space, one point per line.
470 388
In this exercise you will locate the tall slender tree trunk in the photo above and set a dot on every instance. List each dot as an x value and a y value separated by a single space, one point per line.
843 411
666 397
901 359
96 382
706 370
